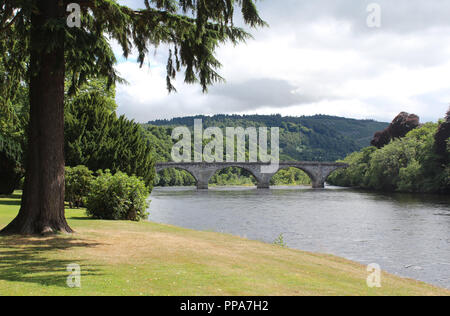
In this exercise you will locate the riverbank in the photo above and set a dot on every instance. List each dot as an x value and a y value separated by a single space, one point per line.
125 258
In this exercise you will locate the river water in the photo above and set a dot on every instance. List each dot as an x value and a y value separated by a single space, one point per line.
407 235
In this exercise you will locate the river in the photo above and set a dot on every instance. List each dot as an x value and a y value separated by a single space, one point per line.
407 235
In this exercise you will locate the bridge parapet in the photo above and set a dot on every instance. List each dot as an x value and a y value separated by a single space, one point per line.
202 171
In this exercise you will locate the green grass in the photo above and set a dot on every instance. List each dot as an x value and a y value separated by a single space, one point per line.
125 258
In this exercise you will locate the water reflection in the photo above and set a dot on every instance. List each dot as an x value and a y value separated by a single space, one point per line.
406 234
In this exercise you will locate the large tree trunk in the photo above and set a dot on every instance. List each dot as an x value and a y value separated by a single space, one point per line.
42 209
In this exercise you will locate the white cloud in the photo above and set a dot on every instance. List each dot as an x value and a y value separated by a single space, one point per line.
317 57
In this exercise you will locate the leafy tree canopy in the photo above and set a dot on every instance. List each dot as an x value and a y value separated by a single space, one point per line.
409 164
191 29
97 138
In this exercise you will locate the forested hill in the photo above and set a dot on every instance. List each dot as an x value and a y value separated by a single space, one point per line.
318 138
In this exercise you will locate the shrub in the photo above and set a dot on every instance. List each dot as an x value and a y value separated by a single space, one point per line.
279 241
78 185
117 197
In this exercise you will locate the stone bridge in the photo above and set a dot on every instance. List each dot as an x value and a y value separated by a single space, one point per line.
203 171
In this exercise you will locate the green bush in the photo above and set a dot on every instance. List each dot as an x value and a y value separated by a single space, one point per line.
118 197
78 185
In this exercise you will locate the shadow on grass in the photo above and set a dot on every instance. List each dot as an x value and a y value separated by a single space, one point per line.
78 218
37 260
10 202
12 196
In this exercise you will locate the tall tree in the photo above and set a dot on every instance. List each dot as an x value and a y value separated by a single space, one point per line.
191 29
96 138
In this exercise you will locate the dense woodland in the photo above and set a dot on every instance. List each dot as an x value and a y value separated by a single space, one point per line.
314 138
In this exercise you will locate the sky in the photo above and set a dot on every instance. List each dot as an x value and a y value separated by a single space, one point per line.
316 57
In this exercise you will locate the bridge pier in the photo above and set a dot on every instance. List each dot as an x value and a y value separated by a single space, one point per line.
319 174
318 184
203 175
263 185
202 186
264 180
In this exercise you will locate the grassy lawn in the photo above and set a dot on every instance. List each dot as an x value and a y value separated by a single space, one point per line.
124 258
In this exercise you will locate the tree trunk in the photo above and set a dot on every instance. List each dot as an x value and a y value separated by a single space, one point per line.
42 209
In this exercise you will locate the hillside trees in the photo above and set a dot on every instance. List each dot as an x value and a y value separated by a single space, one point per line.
315 138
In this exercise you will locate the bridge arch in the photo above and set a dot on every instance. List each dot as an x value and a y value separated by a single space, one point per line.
179 168
251 172
302 173
318 172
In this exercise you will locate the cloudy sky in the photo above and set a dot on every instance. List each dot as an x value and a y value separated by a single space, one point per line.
317 57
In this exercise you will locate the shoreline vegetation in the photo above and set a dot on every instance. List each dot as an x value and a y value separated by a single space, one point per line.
129 258
410 164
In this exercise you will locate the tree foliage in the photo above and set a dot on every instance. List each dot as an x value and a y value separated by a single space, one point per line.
190 29
40 47
13 122
96 138
409 164
78 184
11 167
